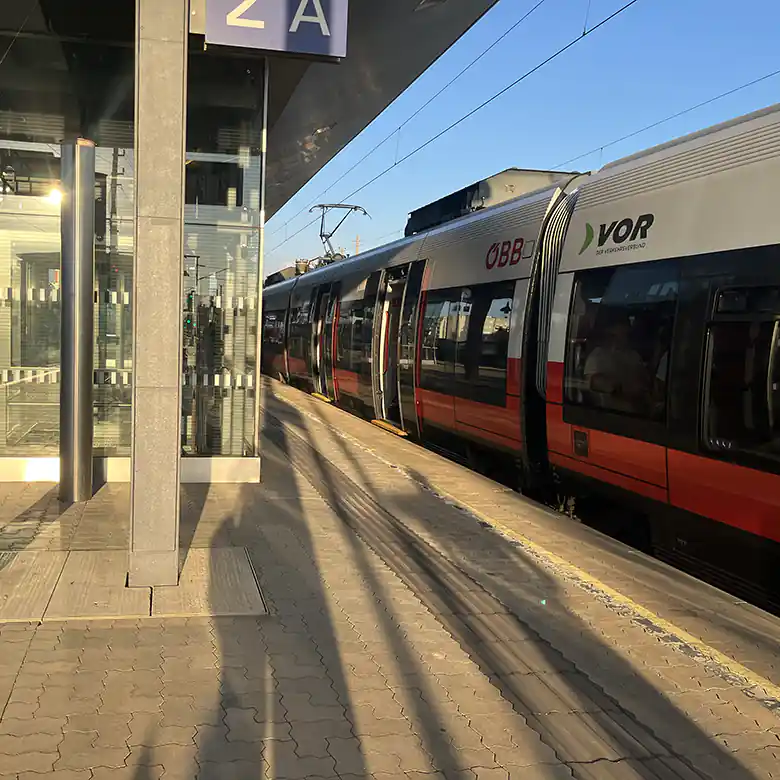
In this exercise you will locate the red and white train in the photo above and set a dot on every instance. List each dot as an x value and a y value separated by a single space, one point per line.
612 336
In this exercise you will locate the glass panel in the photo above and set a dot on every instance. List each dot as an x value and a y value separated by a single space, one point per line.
63 80
113 301
29 298
439 331
483 342
221 255
743 409
621 330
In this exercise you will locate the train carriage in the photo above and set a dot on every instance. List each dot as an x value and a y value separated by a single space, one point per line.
611 337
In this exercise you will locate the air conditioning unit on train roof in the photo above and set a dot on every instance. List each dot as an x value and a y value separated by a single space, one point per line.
504 186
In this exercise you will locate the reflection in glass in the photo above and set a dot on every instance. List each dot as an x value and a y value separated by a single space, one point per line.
29 299
221 240
113 301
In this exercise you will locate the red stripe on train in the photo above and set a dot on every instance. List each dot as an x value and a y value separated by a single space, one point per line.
513 373
347 382
741 497
555 383
496 424
610 477
631 458
297 366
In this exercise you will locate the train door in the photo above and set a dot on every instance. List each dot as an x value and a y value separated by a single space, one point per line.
364 345
387 401
321 304
329 345
407 348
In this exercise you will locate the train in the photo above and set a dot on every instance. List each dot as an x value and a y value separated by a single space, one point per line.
609 339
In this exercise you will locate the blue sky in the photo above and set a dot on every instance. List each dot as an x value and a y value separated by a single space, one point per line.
655 59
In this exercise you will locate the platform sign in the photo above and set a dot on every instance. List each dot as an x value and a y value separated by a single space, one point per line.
317 27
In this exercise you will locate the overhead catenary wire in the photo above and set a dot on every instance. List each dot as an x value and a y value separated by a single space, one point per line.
397 131
18 32
669 118
472 112
652 125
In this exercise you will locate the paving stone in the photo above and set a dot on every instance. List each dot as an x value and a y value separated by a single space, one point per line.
545 772
127 773
242 726
233 770
350 759
284 669
27 762
59 702
369 724
221 751
381 700
181 712
465 758
38 725
490 773
164 735
65 774
120 704
26 695
178 760
209 734
412 757
30 743
96 757
316 713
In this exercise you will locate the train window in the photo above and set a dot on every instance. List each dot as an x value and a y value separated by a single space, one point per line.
273 327
300 331
483 341
620 337
344 337
437 348
749 300
742 412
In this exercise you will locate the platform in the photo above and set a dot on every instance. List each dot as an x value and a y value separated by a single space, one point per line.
408 636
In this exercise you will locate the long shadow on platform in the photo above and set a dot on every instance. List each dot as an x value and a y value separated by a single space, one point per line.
276 670
19 532
423 712
523 582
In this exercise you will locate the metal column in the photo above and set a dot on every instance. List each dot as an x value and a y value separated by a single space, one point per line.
261 252
78 284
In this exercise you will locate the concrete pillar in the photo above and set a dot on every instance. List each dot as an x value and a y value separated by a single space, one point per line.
160 127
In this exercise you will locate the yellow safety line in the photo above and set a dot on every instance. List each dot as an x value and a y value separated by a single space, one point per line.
618 599
322 397
615 598
389 427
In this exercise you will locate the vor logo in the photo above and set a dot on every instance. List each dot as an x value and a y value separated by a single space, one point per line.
626 234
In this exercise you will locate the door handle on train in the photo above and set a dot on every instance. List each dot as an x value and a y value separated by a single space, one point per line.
581 445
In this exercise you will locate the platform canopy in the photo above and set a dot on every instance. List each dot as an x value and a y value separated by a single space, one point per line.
70 70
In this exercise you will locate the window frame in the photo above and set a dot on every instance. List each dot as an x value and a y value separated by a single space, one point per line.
620 424
466 388
741 457
434 383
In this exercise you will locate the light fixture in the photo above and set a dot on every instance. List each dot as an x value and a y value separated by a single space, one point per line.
425 4
55 196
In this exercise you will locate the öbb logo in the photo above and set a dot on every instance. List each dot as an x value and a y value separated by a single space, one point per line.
504 253
627 230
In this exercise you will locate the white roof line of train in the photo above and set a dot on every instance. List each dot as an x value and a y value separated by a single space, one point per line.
358 260
711 130
421 236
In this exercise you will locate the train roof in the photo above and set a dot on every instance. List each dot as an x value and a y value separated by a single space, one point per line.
403 247
769 111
